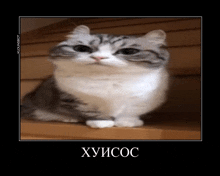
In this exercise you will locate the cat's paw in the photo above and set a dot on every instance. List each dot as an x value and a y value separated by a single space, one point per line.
100 123
129 123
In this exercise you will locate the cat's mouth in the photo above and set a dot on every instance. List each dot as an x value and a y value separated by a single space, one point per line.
98 63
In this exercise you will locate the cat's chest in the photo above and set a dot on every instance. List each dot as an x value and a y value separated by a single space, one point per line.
112 86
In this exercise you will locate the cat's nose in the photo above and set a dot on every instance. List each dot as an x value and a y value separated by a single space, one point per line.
98 58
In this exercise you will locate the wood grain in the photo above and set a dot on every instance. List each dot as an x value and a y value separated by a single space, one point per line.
28 86
69 24
55 130
36 68
177 38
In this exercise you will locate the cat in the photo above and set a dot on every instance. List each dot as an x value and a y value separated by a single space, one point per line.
103 80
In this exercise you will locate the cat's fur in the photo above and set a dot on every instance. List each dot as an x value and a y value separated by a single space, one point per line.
104 80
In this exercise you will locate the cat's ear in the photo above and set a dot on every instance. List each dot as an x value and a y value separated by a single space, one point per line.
157 36
82 29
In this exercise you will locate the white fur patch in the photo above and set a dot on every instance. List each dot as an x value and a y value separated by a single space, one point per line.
129 122
116 92
100 123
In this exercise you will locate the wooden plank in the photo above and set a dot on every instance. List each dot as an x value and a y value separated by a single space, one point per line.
124 30
184 38
184 95
70 24
85 21
112 22
171 135
78 131
62 130
175 71
36 50
104 19
144 28
60 26
185 57
36 68
165 135
28 86
126 21
178 38
34 137
58 37
37 32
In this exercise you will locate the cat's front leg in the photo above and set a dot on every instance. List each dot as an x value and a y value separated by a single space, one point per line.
128 116
128 122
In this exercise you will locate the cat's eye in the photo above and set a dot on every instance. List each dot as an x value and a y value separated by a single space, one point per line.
82 48
127 51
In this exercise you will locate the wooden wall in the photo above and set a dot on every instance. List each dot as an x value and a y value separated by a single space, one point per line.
30 24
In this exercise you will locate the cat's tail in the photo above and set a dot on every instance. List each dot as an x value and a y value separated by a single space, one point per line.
27 112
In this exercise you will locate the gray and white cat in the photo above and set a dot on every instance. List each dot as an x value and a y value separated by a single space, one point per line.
101 79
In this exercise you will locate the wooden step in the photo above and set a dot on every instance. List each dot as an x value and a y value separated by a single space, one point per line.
165 129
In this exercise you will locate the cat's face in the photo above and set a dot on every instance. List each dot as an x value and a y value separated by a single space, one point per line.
81 47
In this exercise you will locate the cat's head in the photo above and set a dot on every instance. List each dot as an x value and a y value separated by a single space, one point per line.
86 48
